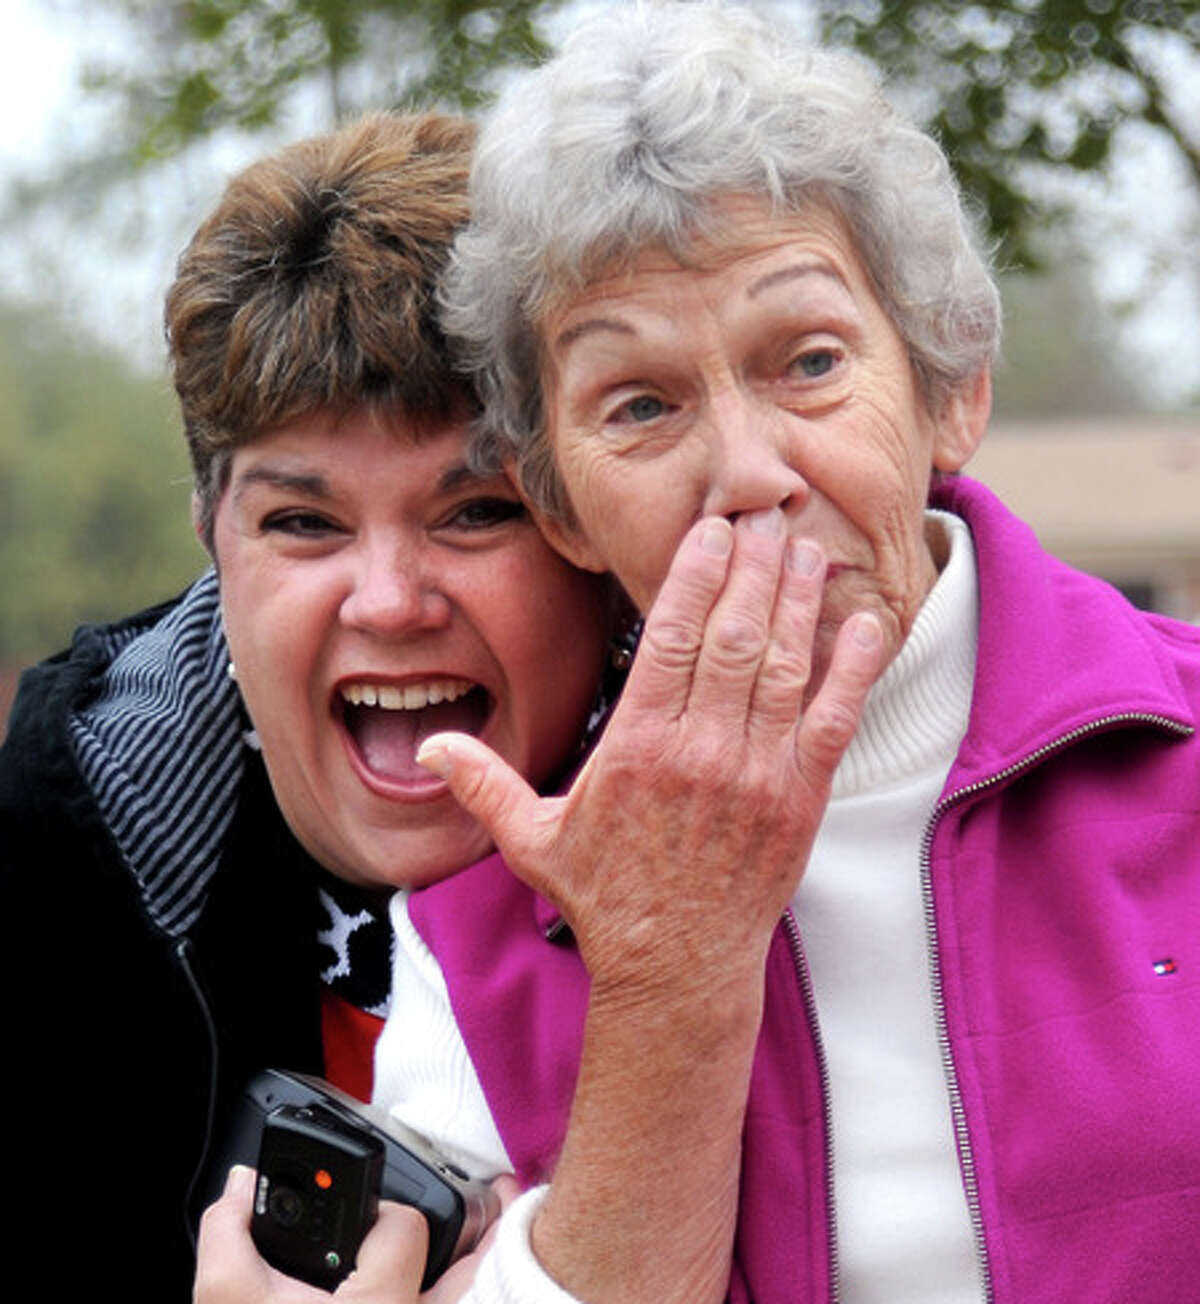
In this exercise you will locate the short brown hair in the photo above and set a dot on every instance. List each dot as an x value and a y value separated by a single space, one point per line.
311 286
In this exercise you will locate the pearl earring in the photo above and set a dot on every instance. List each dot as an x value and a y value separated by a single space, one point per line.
231 670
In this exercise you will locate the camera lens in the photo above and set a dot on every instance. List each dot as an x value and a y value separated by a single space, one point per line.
286 1206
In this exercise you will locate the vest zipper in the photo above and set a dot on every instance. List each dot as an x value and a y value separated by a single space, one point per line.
808 997
958 1114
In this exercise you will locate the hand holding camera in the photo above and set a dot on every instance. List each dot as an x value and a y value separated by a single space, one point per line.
390 1262
323 1163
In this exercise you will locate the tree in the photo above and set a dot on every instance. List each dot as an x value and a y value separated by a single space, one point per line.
1015 89
1024 87
94 486
208 64
1041 103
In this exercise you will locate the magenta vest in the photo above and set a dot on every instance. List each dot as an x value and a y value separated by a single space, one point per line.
1063 875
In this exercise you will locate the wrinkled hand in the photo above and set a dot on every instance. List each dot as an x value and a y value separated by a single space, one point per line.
684 837
672 857
390 1265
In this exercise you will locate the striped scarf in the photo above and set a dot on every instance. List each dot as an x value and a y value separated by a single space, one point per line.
161 748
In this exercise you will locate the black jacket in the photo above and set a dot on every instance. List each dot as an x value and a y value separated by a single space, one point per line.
127 1037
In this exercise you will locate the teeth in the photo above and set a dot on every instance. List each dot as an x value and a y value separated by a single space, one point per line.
406 697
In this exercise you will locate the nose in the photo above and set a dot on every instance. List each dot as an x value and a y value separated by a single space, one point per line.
749 465
392 591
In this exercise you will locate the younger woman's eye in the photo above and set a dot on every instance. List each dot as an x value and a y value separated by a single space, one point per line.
484 513
300 524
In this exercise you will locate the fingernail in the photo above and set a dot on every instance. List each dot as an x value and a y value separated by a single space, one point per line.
716 537
240 1179
867 632
804 557
769 523
436 754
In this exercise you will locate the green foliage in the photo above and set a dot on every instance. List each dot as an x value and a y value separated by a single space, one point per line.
1025 82
1009 87
208 64
94 487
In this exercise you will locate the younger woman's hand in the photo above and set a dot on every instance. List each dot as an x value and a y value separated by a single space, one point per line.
391 1259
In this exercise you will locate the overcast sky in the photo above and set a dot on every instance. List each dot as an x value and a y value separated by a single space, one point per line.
37 62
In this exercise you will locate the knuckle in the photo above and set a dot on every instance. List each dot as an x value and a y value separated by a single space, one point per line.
828 727
214 1218
785 673
736 640
473 789
670 643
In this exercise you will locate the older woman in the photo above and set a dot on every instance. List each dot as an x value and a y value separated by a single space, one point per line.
204 808
716 291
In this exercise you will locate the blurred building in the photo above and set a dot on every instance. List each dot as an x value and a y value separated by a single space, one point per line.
1118 498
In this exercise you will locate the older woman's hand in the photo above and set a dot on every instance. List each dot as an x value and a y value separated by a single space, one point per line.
391 1259
685 836
672 858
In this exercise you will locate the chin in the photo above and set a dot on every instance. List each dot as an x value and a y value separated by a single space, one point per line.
423 864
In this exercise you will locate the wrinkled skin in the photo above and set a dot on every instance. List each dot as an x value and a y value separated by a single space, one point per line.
765 373
744 442
672 858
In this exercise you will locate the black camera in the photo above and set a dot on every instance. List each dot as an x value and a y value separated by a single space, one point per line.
324 1161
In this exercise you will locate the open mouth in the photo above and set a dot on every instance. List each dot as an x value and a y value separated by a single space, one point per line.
388 722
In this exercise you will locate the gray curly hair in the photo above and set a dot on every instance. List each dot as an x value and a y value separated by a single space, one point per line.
623 141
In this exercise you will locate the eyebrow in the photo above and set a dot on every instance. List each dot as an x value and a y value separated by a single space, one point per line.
310 485
573 333
780 275
315 485
794 272
459 474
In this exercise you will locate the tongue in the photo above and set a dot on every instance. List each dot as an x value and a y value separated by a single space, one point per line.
389 740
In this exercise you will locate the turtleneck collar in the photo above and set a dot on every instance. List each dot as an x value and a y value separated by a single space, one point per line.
916 715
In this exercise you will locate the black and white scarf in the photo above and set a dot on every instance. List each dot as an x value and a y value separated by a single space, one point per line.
162 746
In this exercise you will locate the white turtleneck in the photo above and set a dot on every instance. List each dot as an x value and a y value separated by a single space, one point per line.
904 1234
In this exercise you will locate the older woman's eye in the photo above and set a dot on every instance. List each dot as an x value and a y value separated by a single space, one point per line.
643 408
814 364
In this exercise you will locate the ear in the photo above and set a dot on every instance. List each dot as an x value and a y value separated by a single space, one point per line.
962 421
204 525
568 541
198 520
563 535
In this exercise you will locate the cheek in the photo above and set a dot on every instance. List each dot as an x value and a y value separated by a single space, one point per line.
560 615
551 639
635 523
274 636
243 634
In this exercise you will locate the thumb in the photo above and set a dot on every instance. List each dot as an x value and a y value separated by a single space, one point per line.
457 1279
391 1259
489 789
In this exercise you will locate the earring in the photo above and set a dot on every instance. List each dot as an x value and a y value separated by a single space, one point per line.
231 670
623 646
